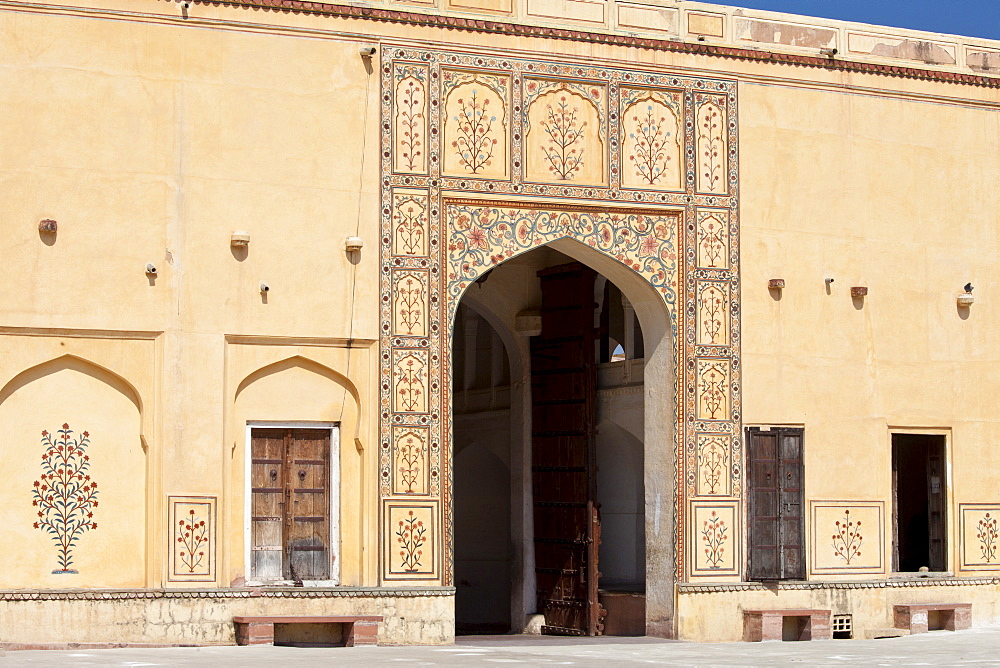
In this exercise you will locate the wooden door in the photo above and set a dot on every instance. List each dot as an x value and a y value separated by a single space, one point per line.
776 519
290 504
936 498
567 524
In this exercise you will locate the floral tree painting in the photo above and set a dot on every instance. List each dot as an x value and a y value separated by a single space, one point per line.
987 533
565 134
192 534
847 538
64 494
411 537
475 143
650 139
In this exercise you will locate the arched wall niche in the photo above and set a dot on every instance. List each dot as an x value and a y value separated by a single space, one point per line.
300 390
77 363
72 431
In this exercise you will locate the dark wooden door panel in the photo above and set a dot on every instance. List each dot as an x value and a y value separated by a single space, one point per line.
776 504
563 386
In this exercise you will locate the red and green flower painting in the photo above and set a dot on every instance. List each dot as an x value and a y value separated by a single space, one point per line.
64 494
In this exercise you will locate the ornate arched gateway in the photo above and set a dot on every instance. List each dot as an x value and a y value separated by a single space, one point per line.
485 157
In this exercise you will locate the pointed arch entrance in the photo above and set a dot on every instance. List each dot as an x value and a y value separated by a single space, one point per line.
550 438
668 234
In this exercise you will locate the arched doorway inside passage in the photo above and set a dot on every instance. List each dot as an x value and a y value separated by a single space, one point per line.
554 434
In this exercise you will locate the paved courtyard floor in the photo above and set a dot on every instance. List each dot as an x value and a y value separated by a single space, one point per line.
938 648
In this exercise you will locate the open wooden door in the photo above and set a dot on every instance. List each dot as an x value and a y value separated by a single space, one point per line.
563 385
776 519
290 504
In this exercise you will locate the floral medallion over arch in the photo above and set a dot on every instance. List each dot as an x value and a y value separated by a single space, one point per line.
484 234
484 157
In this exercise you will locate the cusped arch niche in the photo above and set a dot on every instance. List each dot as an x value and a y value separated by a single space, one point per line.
565 137
301 390
94 416
298 389
476 124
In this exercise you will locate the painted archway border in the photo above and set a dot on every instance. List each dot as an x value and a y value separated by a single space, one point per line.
561 129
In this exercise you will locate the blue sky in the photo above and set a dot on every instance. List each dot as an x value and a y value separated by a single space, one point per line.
972 18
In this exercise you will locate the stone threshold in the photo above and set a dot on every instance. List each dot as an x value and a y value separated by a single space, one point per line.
223 593
890 583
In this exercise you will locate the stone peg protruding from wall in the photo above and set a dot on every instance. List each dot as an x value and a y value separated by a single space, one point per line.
47 226
239 239
776 284
859 292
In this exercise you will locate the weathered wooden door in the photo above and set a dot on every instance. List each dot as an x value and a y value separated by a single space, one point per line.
567 524
290 504
776 519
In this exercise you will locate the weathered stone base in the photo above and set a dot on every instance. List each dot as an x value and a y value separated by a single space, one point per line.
48 618
715 612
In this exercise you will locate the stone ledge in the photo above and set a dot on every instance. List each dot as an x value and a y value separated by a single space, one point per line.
227 593
686 588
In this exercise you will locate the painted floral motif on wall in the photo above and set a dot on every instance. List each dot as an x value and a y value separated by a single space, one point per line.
979 525
410 373
409 543
711 130
192 538
713 241
713 389
713 464
847 538
411 462
713 527
64 494
713 314
192 534
411 536
483 236
986 532
409 313
651 139
409 220
475 142
715 534
565 132
411 119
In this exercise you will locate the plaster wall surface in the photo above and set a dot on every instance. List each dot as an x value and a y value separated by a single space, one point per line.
150 137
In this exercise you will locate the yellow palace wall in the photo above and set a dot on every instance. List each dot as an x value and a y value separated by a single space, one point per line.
150 138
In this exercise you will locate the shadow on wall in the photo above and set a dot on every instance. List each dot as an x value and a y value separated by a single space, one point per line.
483 556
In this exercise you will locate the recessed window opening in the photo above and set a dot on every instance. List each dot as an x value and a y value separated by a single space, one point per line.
842 627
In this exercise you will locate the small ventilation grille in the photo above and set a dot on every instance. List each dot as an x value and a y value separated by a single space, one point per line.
842 626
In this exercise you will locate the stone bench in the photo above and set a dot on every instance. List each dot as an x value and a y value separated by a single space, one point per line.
358 631
789 624
921 617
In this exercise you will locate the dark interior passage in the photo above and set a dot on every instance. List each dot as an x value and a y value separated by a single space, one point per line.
548 452
919 497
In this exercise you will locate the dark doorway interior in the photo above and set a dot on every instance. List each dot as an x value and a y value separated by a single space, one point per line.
919 497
